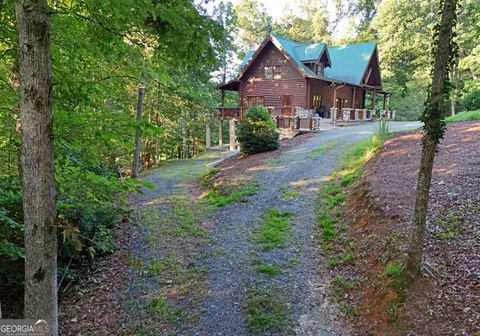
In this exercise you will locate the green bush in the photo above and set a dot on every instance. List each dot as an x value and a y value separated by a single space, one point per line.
464 116
11 232
470 100
257 132
89 205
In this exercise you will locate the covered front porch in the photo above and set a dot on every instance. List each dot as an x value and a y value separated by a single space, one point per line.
345 111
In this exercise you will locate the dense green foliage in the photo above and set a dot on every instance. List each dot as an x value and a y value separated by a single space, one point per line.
471 100
256 132
464 116
309 25
99 52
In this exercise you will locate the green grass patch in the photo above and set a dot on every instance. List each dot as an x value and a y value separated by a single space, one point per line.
156 267
348 257
333 261
349 178
349 309
166 312
269 269
360 153
274 229
463 116
217 197
335 200
266 309
449 226
334 240
185 217
185 170
327 226
290 194
181 220
341 285
322 148
393 268
205 179
331 189
382 127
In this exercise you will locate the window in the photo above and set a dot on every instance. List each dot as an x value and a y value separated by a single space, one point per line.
287 100
316 101
255 100
320 70
273 72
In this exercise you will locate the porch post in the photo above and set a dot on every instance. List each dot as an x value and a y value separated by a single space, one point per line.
384 101
232 135
334 96
353 97
220 133
334 105
373 99
208 141
220 128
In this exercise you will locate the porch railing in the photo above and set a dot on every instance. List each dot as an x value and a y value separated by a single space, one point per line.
297 123
231 112
237 112
349 114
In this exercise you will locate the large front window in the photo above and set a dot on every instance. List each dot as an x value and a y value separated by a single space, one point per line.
273 72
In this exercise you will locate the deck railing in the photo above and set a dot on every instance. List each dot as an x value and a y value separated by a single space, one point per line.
349 114
237 112
231 112
297 123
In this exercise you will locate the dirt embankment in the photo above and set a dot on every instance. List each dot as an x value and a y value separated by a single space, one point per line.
445 300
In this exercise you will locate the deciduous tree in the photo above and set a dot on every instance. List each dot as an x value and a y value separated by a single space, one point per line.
39 208
444 51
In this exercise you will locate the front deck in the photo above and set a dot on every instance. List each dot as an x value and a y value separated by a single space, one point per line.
285 117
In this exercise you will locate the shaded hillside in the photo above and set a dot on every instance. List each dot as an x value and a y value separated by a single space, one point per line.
444 300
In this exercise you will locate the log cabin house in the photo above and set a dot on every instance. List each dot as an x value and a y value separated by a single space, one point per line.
306 81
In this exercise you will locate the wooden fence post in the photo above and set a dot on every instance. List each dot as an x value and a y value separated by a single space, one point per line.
232 135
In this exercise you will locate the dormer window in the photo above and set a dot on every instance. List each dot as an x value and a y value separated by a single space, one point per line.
320 70
273 72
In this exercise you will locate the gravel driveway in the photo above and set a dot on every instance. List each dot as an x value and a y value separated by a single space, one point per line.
229 258
122 305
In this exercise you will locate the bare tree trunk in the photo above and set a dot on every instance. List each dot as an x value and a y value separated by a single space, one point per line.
433 132
138 130
185 143
37 161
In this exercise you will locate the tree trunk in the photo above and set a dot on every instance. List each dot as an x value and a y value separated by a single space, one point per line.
37 161
433 132
138 130
184 143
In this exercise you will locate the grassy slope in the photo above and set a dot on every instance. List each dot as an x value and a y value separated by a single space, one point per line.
464 116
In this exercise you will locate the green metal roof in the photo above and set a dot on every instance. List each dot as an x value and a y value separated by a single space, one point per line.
310 52
350 61
247 57
289 46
